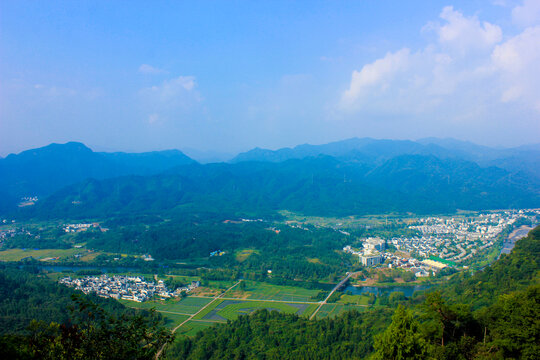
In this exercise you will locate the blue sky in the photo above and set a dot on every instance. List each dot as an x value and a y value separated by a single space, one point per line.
232 75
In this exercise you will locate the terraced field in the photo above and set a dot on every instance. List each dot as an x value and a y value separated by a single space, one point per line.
264 291
286 299
173 320
332 310
189 305
192 327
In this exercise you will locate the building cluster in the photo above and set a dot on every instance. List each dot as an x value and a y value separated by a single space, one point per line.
4 234
456 238
441 241
133 288
10 233
28 201
77 227
370 254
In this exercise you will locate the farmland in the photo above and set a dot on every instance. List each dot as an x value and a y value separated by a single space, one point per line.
39 254
234 303
332 310
265 291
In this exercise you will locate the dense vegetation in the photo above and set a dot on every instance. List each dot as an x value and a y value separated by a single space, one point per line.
27 295
94 334
41 319
271 335
320 186
360 176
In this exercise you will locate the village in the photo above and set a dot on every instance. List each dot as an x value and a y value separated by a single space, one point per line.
134 288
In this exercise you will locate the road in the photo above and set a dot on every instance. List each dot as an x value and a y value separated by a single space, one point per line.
158 354
331 293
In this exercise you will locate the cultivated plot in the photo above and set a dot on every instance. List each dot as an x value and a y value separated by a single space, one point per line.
173 320
263 291
189 305
192 327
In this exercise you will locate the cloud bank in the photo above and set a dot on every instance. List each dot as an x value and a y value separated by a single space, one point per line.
469 71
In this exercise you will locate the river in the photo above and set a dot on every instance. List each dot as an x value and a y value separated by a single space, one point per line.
376 290
516 235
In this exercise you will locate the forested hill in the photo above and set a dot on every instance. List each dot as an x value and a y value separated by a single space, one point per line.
321 185
39 172
27 295
503 325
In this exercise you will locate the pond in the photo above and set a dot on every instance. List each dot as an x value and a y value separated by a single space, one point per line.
376 290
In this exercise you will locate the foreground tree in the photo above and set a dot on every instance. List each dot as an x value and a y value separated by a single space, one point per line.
94 334
402 339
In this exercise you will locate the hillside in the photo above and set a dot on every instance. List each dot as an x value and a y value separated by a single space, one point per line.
321 186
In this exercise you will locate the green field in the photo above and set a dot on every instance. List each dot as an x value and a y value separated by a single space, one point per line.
191 328
173 320
221 284
332 310
232 311
354 299
208 309
41 254
259 290
189 305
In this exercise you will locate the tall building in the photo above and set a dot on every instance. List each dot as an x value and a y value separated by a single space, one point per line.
371 259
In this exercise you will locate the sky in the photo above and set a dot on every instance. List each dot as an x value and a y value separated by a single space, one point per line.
228 76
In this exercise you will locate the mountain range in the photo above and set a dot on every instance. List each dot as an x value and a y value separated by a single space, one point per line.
42 171
354 176
523 158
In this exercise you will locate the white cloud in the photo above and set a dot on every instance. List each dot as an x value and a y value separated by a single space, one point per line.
517 62
175 90
464 34
170 98
149 69
467 69
376 75
527 14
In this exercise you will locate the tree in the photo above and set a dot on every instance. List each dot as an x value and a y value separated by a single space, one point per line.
94 334
401 340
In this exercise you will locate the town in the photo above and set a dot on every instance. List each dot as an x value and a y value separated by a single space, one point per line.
134 288
441 241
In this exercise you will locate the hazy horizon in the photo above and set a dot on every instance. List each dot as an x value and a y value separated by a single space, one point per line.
214 77
225 156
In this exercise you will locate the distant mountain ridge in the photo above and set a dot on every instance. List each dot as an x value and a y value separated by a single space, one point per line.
524 158
42 171
354 176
